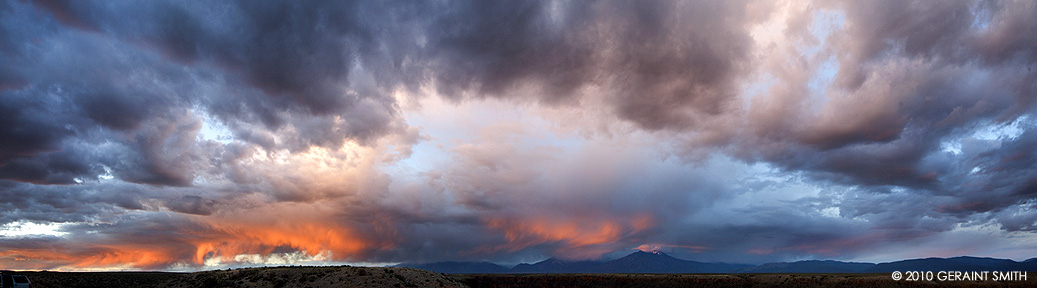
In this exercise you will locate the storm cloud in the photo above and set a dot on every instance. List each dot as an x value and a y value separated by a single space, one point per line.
190 134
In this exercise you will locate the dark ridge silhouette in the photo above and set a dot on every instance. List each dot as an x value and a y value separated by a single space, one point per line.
659 262
454 267
810 266
946 264
637 262
553 265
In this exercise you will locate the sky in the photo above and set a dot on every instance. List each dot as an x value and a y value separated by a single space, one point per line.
193 135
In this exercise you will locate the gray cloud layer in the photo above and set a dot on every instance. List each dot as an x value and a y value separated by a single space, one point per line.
103 105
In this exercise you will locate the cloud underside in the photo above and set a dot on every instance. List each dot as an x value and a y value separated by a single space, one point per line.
176 135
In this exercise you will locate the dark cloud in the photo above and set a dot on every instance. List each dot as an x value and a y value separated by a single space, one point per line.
490 49
1008 34
285 66
910 81
661 70
26 133
279 59
1002 177
303 67
937 32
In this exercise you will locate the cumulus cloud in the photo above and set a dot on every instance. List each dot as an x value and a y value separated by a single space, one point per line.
184 134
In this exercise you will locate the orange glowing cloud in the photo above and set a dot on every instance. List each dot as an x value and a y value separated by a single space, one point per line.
92 258
142 257
308 231
579 238
308 228
225 243
312 239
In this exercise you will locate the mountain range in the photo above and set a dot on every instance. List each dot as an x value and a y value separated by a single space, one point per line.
659 262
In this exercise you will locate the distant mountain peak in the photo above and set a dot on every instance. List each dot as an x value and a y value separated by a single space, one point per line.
649 252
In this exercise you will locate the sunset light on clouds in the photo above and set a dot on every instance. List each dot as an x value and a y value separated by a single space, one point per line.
192 135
